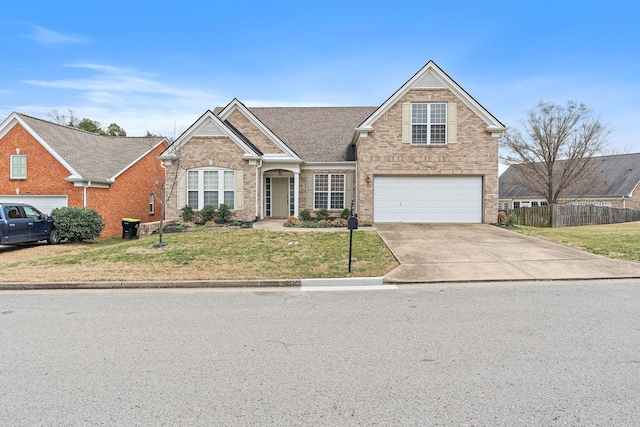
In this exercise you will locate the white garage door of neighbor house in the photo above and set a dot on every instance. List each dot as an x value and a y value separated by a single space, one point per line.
44 204
427 199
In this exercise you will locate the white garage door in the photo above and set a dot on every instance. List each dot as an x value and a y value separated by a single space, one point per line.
44 204
428 199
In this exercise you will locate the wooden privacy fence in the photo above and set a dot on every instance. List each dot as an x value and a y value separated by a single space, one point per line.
571 215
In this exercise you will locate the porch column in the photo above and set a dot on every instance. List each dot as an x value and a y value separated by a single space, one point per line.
262 199
296 193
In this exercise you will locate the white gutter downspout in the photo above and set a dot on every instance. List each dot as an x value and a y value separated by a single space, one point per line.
84 195
296 194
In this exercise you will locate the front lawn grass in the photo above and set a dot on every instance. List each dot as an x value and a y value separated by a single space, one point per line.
618 241
211 254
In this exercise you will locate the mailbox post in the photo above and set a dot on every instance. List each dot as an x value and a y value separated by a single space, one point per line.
352 224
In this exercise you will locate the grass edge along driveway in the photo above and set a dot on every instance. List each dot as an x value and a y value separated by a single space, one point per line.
205 254
617 241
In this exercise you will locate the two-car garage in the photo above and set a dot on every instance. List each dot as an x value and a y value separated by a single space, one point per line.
428 199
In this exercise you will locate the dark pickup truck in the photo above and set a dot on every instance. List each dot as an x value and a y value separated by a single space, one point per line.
20 223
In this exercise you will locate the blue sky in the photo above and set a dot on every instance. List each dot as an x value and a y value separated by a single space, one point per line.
158 65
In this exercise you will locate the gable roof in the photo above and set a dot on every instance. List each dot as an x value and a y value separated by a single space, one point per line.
620 175
431 76
87 156
209 124
316 134
236 105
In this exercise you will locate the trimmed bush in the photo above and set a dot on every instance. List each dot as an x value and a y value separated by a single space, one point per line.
322 213
305 215
346 213
75 223
207 213
224 213
187 213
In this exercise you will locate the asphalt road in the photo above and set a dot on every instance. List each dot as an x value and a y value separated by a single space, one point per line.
527 354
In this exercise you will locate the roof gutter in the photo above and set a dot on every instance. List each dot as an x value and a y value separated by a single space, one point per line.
496 131
360 132
90 182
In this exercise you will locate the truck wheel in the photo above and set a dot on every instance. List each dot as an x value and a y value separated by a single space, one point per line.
53 238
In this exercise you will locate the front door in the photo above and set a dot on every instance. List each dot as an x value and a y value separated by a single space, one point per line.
280 199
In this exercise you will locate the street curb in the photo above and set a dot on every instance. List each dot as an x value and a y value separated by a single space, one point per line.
181 284
192 284
346 281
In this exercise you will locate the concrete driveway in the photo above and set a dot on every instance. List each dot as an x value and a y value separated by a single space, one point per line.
480 252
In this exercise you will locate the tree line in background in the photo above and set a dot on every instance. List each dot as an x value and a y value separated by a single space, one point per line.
86 124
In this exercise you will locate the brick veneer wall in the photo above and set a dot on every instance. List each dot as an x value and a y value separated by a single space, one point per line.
127 197
255 135
383 153
45 175
222 152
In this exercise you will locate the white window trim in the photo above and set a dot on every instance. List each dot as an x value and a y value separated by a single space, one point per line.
328 191
12 175
220 190
428 124
152 204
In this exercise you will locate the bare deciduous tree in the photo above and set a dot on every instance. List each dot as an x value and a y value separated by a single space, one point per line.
167 179
164 185
62 119
554 154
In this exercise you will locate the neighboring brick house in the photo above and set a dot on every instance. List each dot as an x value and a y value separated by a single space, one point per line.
429 153
49 165
614 184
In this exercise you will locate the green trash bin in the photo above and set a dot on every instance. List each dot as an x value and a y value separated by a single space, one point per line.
130 228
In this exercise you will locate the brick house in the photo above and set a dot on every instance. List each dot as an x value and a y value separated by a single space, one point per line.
614 184
48 165
429 153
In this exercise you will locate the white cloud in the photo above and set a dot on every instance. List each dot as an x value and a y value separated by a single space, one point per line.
110 79
137 101
51 38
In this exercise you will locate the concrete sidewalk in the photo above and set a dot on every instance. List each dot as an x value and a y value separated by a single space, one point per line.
480 252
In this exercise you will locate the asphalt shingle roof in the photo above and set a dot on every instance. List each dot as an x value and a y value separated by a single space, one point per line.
93 156
315 134
620 175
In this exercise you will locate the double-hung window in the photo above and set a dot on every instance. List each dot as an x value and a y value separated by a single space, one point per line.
210 187
152 203
18 166
429 123
329 191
